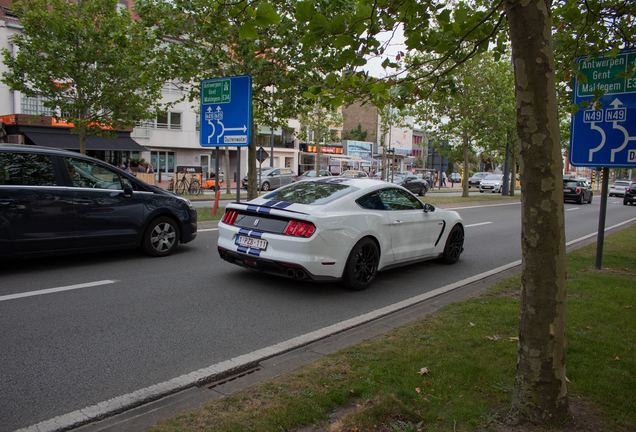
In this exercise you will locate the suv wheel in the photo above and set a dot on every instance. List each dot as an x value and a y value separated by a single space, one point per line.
161 237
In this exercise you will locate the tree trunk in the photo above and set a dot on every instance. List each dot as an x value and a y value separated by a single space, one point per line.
466 173
540 392
252 177
513 173
227 172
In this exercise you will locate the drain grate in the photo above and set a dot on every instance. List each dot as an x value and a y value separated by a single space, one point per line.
234 377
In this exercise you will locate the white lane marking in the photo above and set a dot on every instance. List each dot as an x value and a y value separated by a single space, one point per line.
54 290
477 224
480 206
208 229
571 209
121 403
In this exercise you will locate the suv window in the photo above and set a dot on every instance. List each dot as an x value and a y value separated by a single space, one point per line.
26 169
91 175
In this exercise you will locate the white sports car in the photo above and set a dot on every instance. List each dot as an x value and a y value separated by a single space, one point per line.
337 228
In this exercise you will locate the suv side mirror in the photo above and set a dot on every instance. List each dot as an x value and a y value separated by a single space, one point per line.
128 190
429 208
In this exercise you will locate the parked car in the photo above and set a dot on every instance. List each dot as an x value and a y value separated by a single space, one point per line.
412 183
455 178
491 183
577 190
475 180
57 202
629 196
337 229
272 178
312 174
354 174
618 187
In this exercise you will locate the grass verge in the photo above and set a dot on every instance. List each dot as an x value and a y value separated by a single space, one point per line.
204 214
454 369
437 200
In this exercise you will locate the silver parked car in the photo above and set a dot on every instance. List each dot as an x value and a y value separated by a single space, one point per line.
273 178
618 188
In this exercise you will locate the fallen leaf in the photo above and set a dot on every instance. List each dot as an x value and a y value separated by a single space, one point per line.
512 339
426 400
626 269
427 383
627 307
617 359
589 328
419 390
343 372
461 395
424 371
471 324
493 337
351 391
566 379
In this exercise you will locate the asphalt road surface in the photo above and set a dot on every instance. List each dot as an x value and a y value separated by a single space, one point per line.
145 320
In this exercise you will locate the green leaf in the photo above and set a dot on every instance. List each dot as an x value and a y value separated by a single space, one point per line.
304 11
248 31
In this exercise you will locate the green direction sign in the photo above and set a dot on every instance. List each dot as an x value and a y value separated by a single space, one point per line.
601 74
216 92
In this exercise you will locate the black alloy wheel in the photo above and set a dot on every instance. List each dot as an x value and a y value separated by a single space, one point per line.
422 191
362 265
161 237
454 245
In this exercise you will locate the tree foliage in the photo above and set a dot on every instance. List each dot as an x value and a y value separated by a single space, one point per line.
93 65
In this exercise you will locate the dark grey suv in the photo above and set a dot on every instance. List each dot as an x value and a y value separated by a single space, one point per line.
55 201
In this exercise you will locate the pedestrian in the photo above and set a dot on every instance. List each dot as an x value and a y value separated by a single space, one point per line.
149 170
128 170
443 178
141 168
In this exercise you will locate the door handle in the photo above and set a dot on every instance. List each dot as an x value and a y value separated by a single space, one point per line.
84 201
6 200
397 222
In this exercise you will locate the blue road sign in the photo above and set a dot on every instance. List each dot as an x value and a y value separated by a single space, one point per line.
226 111
605 137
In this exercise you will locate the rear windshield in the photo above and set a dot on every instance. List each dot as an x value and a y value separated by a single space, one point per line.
621 183
569 183
309 192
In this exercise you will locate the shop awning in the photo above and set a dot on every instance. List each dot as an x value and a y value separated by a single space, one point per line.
65 140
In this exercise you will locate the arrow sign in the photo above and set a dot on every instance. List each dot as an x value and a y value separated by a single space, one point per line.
226 111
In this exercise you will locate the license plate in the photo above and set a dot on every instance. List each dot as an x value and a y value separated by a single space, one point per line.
251 242
566 190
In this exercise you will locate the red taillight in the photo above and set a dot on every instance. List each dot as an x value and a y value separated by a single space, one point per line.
230 217
300 229
578 190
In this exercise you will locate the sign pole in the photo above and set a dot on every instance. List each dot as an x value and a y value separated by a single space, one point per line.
238 174
216 172
601 220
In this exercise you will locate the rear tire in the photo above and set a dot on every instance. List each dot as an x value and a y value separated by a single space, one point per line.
422 191
161 237
590 200
265 187
362 265
454 245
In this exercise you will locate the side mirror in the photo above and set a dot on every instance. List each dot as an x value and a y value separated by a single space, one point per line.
429 208
128 190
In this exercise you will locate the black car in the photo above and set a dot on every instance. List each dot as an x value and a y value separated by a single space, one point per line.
412 182
577 190
475 180
56 201
630 194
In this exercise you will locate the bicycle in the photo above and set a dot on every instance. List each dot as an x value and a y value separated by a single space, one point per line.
192 186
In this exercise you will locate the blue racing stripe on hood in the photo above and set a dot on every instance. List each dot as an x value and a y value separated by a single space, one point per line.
283 204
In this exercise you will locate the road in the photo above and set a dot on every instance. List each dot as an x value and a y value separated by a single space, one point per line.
161 318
